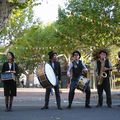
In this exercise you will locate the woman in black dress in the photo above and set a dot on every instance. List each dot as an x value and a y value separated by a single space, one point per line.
9 85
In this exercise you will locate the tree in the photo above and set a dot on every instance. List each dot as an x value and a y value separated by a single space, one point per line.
20 20
32 47
91 20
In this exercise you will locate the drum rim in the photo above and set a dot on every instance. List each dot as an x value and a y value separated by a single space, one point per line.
45 82
43 85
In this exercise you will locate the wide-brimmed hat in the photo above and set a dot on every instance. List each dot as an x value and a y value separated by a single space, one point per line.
51 54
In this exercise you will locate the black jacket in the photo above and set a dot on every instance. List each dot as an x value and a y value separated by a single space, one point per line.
6 67
106 65
57 69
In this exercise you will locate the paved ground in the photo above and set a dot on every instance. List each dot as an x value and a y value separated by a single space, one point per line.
28 102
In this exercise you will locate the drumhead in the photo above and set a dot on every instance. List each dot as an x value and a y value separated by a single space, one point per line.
50 74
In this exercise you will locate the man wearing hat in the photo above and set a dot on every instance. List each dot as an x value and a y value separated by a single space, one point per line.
57 69
103 68
75 70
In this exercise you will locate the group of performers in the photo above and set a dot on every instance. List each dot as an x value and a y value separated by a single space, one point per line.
75 70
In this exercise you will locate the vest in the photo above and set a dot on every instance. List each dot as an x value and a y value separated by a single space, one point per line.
106 65
77 69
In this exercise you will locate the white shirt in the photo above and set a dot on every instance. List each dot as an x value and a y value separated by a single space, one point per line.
10 66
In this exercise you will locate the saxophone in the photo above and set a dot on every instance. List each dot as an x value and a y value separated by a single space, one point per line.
102 73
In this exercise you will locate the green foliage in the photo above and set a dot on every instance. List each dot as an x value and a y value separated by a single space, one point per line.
17 23
33 46
84 25
94 23
19 5
20 20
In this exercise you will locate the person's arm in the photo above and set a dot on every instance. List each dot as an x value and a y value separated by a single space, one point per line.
59 71
69 69
84 67
110 67
69 74
4 68
95 69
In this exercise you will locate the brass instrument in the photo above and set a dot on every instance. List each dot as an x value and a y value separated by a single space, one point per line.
102 73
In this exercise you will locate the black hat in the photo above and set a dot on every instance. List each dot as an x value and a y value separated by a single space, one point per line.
103 51
51 54
76 52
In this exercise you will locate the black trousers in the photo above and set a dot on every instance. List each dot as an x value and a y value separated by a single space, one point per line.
57 94
73 86
106 87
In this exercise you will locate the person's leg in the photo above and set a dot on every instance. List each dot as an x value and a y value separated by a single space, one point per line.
6 102
108 93
13 92
100 95
10 104
57 94
87 101
71 93
6 94
47 95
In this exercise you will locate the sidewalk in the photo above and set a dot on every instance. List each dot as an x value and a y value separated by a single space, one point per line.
63 90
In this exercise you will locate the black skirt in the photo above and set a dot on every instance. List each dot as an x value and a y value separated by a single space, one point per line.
9 88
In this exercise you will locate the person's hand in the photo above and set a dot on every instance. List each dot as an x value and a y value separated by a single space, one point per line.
69 75
105 69
68 84
85 71
97 78
7 71
13 71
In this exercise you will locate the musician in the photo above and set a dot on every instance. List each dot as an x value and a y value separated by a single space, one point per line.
57 69
9 85
103 68
75 70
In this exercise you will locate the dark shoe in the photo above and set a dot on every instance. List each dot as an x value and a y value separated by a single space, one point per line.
9 109
59 108
98 105
45 107
109 106
87 106
6 110
69 107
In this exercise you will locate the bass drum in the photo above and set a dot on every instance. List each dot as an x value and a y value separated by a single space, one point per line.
46 75
83 83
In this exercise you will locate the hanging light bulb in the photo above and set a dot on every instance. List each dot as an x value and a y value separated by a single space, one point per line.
21 1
